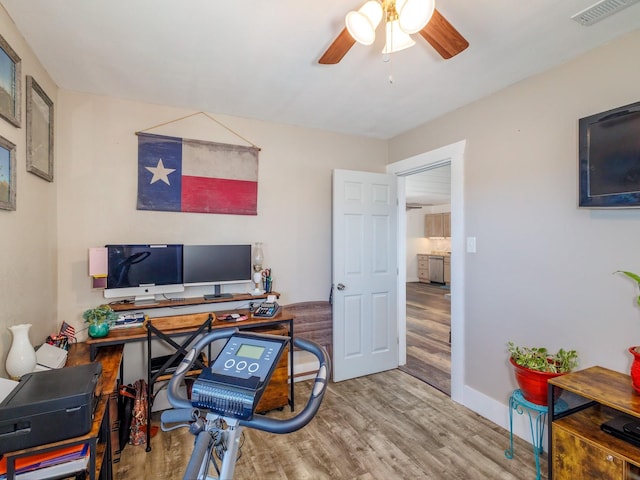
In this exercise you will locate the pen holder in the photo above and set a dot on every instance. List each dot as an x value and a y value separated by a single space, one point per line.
268 285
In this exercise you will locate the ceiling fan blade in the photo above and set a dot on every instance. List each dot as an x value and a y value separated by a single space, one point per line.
338 48
443 36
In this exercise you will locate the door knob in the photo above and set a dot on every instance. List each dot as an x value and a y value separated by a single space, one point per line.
341 286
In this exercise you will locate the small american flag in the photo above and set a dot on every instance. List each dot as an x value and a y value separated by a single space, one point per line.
68 330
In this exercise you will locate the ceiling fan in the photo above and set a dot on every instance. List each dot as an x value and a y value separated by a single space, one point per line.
401 19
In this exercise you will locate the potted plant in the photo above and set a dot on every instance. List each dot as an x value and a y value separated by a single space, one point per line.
635 350
533 366
100 320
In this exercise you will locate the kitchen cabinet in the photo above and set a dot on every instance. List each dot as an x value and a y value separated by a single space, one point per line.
447 270
437 225
446 224
423 268
578 448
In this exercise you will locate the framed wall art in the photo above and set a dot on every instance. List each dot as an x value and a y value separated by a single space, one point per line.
39 131
7 175
9 83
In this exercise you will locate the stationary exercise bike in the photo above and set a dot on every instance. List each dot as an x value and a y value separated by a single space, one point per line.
227 394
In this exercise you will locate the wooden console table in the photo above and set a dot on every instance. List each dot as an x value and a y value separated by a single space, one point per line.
103 436
578 448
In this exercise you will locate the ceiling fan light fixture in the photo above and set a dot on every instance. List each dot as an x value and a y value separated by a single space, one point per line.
413 15
396 39
363 23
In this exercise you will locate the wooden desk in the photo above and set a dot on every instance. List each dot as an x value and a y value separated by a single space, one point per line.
99 438
182 325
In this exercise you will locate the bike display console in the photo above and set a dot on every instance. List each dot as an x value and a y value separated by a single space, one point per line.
235 382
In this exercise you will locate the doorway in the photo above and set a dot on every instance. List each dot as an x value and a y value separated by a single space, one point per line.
453 154
428 327
428 305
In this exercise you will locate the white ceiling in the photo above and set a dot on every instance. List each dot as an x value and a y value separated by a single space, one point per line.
258 59
431 187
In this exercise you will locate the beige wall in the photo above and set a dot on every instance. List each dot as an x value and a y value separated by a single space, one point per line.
542 274
98 187
28 239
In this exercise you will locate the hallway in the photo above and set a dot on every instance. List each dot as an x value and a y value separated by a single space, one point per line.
428 327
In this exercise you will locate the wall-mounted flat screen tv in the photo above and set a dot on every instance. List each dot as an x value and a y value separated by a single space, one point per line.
609 158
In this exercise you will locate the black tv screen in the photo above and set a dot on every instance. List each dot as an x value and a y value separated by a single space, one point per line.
139 265
216 264
609 158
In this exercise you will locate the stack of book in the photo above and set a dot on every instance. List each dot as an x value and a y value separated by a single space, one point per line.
129 320
55 463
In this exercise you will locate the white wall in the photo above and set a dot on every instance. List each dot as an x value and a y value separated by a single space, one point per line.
28 239
98 188
542 274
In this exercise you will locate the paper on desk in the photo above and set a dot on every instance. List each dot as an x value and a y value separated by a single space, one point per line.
6 386
50 356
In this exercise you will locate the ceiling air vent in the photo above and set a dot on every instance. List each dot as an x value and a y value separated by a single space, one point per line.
601 10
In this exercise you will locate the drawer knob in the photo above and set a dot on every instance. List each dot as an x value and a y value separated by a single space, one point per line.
609 458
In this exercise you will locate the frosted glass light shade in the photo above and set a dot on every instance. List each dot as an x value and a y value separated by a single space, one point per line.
396 39
414 14
258 257
363 23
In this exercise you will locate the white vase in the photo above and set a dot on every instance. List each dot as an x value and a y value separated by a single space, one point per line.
22 357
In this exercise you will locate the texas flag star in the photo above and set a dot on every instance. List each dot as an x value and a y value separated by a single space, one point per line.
160 173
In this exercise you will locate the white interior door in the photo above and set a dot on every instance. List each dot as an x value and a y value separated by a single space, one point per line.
365 273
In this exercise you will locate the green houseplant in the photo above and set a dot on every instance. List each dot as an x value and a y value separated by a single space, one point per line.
533 366
632 276
635 350
100 320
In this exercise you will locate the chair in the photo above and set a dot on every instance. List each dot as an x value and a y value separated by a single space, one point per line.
160 369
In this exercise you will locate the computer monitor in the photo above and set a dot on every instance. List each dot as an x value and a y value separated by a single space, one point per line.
217 265
143 271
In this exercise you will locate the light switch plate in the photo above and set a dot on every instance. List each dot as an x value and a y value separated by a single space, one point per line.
471 244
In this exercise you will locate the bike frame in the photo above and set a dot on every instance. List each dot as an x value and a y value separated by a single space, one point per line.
209 433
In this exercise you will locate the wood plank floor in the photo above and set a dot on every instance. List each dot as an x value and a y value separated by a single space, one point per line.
428 327
384 426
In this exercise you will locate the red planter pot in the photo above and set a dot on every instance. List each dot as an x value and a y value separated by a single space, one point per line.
533 383
635 369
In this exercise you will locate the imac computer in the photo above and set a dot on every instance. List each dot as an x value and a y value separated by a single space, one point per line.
217 265
143 271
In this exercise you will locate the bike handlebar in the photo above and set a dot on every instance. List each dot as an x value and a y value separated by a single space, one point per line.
266 424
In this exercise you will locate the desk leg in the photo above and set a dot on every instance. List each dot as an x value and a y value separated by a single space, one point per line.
291 370
149 388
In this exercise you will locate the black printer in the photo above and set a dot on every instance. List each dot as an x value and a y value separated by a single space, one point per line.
49 406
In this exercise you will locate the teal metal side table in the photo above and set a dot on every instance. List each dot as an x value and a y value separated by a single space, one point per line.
537 421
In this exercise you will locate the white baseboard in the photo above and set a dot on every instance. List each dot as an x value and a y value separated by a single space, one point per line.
498 413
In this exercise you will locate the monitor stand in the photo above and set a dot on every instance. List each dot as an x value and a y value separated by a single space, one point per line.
217 294
145 300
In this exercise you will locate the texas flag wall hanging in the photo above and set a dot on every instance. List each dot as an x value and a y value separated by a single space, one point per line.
182 175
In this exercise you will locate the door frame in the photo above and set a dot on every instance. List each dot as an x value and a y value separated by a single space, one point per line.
453 153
